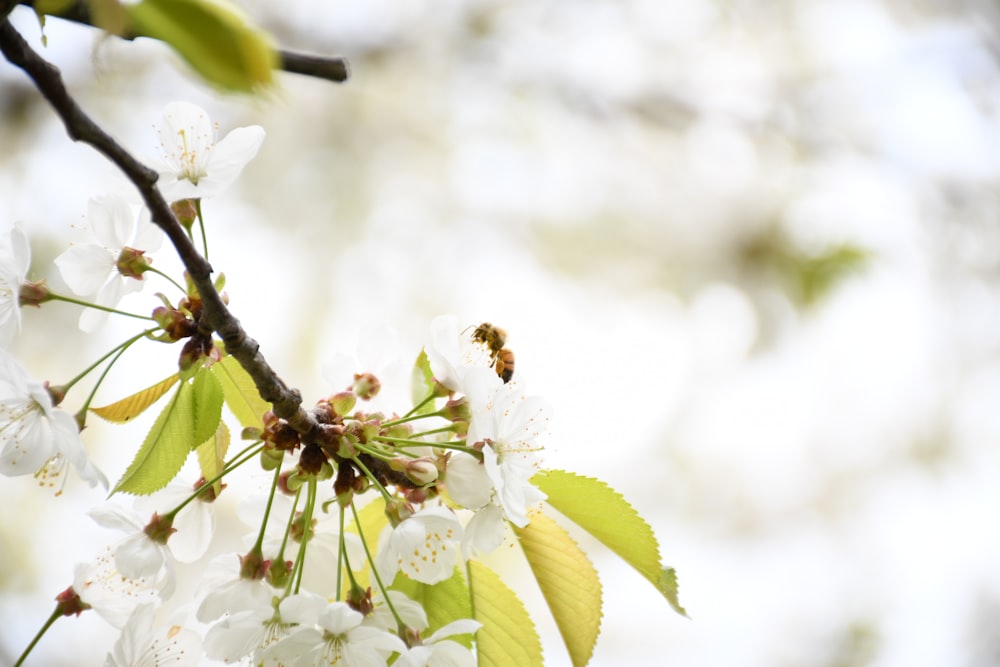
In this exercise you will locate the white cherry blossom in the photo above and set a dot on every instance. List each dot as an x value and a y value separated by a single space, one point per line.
137 556
35 436
439 651
92 270
331 633
114 596
142 644
194 164
423 546
15 259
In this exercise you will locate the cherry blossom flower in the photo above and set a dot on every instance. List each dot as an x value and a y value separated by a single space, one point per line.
228 591
108 592
439 651
194 164
15 259
112 267
35 436
142 644
194 525
508 424
248 635
453 355
505 424
423 546
138 555
331 633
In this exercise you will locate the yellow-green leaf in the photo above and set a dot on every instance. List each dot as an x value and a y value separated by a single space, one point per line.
422 383
213 37
207 399
212 455
444 602
605 514
508 637
568 582
240 393
165 448
132 406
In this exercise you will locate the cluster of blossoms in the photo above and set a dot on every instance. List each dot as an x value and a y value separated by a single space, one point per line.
446 477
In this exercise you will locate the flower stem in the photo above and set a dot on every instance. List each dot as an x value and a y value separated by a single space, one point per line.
41 632
371 561
267 510
459 444
369 475
225 471
117 350
412 413
86 304
173 282
201 226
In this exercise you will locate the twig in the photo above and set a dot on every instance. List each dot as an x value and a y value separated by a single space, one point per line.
330 68
286 402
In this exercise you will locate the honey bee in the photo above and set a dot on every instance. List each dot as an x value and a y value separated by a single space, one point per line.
493 338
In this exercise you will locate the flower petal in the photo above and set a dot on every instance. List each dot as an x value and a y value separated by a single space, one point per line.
85 268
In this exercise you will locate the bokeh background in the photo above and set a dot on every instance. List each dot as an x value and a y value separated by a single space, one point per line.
749 251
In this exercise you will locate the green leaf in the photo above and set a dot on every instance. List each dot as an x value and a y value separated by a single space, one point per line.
422 383
605 514
212 37
212 455
207 405
132 406
444 602
165 448
568 582
240 393
508 637
668 586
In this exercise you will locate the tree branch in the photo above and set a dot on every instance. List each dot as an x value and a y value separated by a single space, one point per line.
330 68
286 402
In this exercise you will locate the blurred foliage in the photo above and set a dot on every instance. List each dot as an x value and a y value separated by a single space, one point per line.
806 277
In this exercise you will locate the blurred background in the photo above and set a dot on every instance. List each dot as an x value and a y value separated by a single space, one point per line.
749 251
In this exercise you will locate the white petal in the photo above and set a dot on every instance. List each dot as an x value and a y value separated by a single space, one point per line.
485 532
112 219
228 157
27 445
195 526
114 517
138 556
465 626
85 267
302 608
467 482
338 618
148 236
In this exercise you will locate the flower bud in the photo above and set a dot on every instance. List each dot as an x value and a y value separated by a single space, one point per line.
420 471
311 460
398 511
160 528
366 386
253 566
69 603
343 402
33 293
132 263
186 212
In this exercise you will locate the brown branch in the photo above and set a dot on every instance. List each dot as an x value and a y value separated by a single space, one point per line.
287 403
330 68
